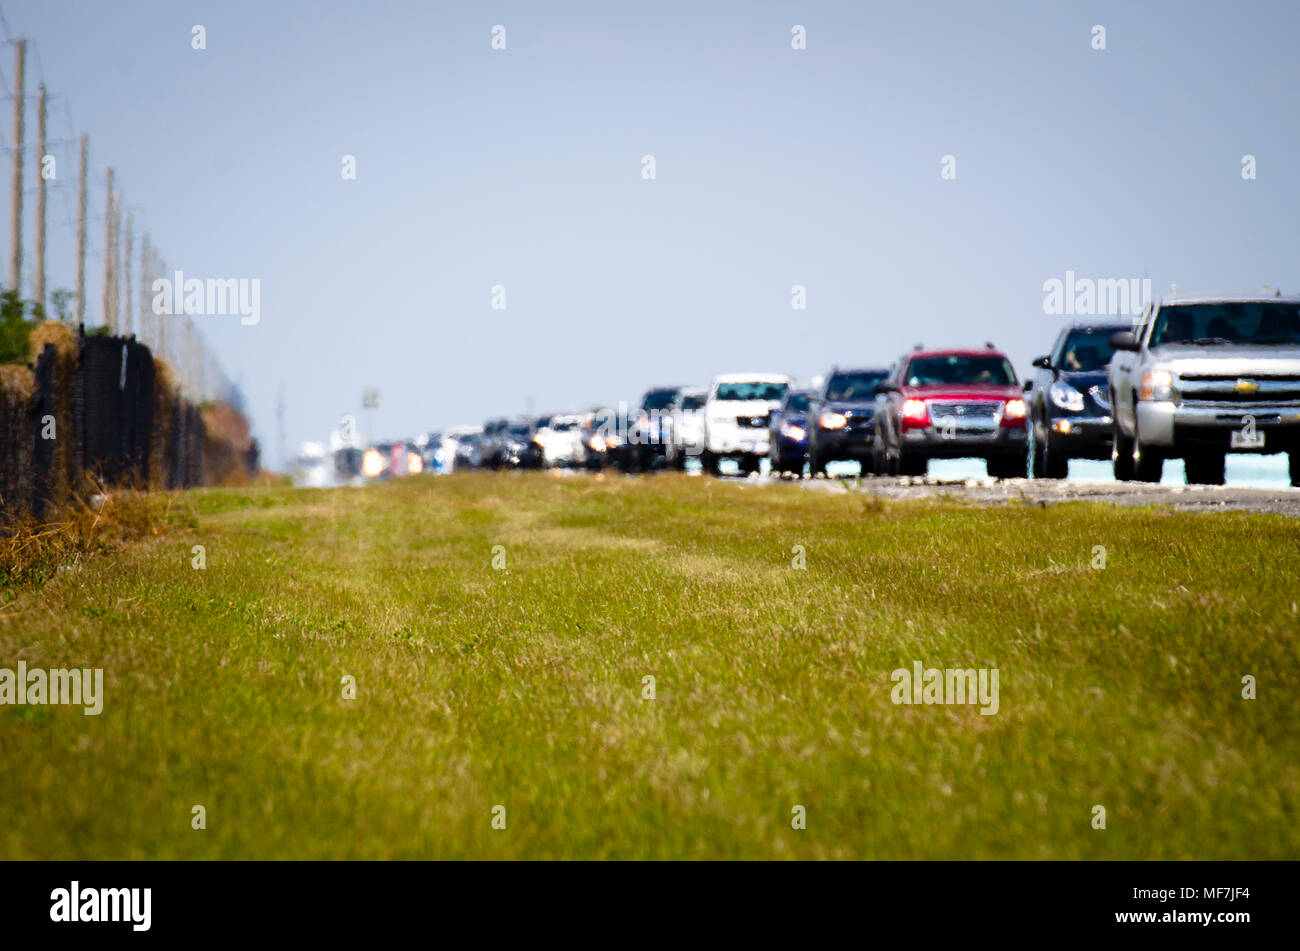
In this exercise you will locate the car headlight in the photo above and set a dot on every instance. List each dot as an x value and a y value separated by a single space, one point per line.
1015 409
372 463
597 443
1157 385
1101 393
916 413
832 420
1066 397
790 431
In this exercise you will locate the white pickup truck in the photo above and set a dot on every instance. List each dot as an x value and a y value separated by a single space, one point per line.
1200 377
736 418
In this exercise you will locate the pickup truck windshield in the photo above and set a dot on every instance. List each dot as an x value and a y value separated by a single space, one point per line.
925 371
853 386
751 391
1248 322
798 403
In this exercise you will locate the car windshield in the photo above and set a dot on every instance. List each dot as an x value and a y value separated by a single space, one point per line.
1251 322
853 386
693 402
564 425
659 399
798 402
518 429
751 391
924 371
1088 350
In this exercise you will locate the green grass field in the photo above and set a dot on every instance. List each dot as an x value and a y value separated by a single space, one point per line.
522 687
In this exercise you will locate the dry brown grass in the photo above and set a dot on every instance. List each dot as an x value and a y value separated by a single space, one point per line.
53 332
33 551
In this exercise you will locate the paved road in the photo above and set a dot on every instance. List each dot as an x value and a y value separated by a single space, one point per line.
1205 498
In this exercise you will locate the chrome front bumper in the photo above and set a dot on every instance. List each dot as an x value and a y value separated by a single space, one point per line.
1158 419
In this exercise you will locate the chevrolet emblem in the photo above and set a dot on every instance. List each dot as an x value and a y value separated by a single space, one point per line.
1245 386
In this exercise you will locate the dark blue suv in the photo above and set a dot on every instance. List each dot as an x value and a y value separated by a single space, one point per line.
1069 399
841 419
788 433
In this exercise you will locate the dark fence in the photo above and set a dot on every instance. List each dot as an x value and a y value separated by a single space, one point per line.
98 410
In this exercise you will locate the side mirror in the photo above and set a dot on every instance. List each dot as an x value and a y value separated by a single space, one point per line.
1029 385
1043 363
884 387
1124 340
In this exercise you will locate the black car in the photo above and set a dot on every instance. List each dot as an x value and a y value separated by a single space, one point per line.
492 450
519 446
788 435
650 428
841 419
1069 399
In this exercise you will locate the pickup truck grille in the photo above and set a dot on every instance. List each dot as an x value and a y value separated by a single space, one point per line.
1214 388
966 417
752 422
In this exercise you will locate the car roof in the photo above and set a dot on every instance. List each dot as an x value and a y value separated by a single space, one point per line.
1176 298
753 378
957 352
1100 325
836 371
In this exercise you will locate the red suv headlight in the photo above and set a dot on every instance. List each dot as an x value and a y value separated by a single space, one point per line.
1013 413
916 415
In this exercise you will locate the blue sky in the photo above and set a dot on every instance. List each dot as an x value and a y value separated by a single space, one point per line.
774 167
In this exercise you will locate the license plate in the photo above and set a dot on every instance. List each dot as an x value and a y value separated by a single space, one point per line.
1243 439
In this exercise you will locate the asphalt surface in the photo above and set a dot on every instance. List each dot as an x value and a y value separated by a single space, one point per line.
1201 498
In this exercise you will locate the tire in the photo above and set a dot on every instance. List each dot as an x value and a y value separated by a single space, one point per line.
816 464
912 465
1293 464
1204 468
1038 453
710 463
879 464
1055 465
1121 456
1148 463
750 464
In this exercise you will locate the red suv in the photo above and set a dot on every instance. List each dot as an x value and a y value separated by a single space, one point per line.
951 404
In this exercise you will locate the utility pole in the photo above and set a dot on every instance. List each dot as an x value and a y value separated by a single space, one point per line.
160 267
128 314
38 278
108 254
117 257
81 237
146 325
16 188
